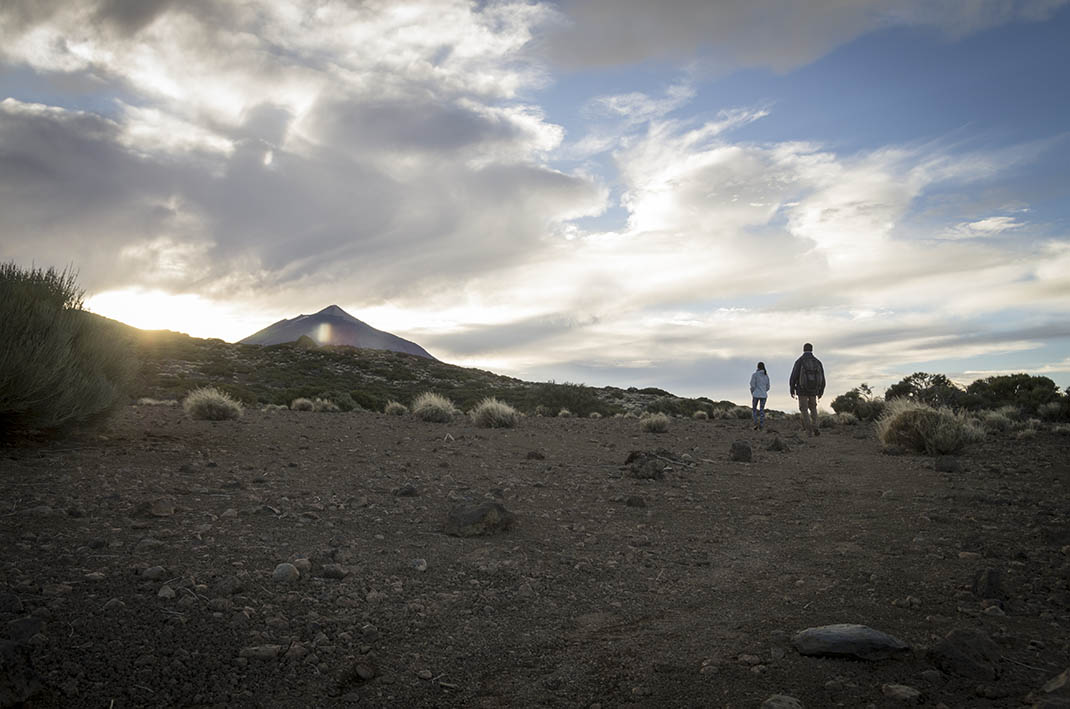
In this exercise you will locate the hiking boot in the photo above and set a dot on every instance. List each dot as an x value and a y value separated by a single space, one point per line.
756 427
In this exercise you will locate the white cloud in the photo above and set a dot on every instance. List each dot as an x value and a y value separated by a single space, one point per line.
982 228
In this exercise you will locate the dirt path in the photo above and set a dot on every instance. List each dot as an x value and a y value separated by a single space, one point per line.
689 600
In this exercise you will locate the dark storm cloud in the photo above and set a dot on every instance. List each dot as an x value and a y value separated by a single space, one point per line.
408 124
779 34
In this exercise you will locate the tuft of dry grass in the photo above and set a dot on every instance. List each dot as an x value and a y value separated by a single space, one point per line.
922 428
564 414
274 408
595 415
147 401
210 404
325 406
655 423
491 413
700 415
302 404
433 407
394 408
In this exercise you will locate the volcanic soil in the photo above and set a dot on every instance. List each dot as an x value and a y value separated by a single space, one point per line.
139 563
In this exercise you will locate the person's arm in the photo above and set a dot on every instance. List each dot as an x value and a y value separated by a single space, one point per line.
821 389
794 380
753 381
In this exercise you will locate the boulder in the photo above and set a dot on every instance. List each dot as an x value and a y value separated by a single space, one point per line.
967 652
988 583
18 680
848 640
781 701
1055 692
478 520
740 452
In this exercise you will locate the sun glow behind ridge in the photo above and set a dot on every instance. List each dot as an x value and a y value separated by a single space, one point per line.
182 312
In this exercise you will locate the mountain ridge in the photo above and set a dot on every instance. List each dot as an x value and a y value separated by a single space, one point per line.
333 326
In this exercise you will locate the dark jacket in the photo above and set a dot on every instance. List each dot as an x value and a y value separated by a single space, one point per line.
797 387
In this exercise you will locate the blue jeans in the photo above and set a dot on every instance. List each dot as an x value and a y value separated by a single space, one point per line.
757 410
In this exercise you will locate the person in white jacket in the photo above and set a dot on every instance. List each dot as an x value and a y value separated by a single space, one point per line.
759 392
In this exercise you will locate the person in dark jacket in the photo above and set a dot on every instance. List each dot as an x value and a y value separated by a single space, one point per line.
808 382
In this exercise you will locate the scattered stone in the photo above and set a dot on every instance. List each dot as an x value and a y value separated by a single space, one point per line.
114 604
10 603
969 555
408 490
420 565
163 507
967 652
778 445
848 640
901 692
782 701
39 511
229 585
470 521
1055 693
947 464
535 455
285 573
334 571
303 565
154 573
635 501
148 544
18 680
740 452
988 583
261 652
166 593
94 576
22 629
424 674
933 676
750 660
229 513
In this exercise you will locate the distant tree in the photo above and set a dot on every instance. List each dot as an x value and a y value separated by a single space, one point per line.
860 402
1027 392
931 389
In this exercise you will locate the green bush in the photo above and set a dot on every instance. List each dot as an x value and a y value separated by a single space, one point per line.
577 398
860 402
491 413
210 404
655 423
923 429
59 365
433 407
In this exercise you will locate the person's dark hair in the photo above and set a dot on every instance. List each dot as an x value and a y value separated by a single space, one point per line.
761 366
808 347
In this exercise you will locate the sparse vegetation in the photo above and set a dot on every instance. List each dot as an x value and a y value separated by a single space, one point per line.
564 414
595 415
394 408
59 365
325 406
700 415
654 423
302 404
921 428
273 408
433 407
860 402
491 413
210 404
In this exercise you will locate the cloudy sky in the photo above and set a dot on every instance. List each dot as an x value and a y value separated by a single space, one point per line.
599 191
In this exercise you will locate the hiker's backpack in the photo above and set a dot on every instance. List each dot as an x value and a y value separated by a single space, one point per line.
810 376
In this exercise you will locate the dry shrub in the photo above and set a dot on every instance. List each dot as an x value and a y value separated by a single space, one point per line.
921 428
395 408
595 415
700 415
210 404
1062 429
631 415
741 412
564 414
302 404
433 407
996 421
272 408
1054 410
148 401
544 410
846 418
491 413
654 423
59 365
325 406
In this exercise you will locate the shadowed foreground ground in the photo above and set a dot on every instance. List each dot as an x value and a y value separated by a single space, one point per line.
591 599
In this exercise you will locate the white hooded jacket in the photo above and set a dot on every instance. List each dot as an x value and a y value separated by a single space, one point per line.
759 384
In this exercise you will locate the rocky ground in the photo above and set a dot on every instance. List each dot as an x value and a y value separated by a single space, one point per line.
301 559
